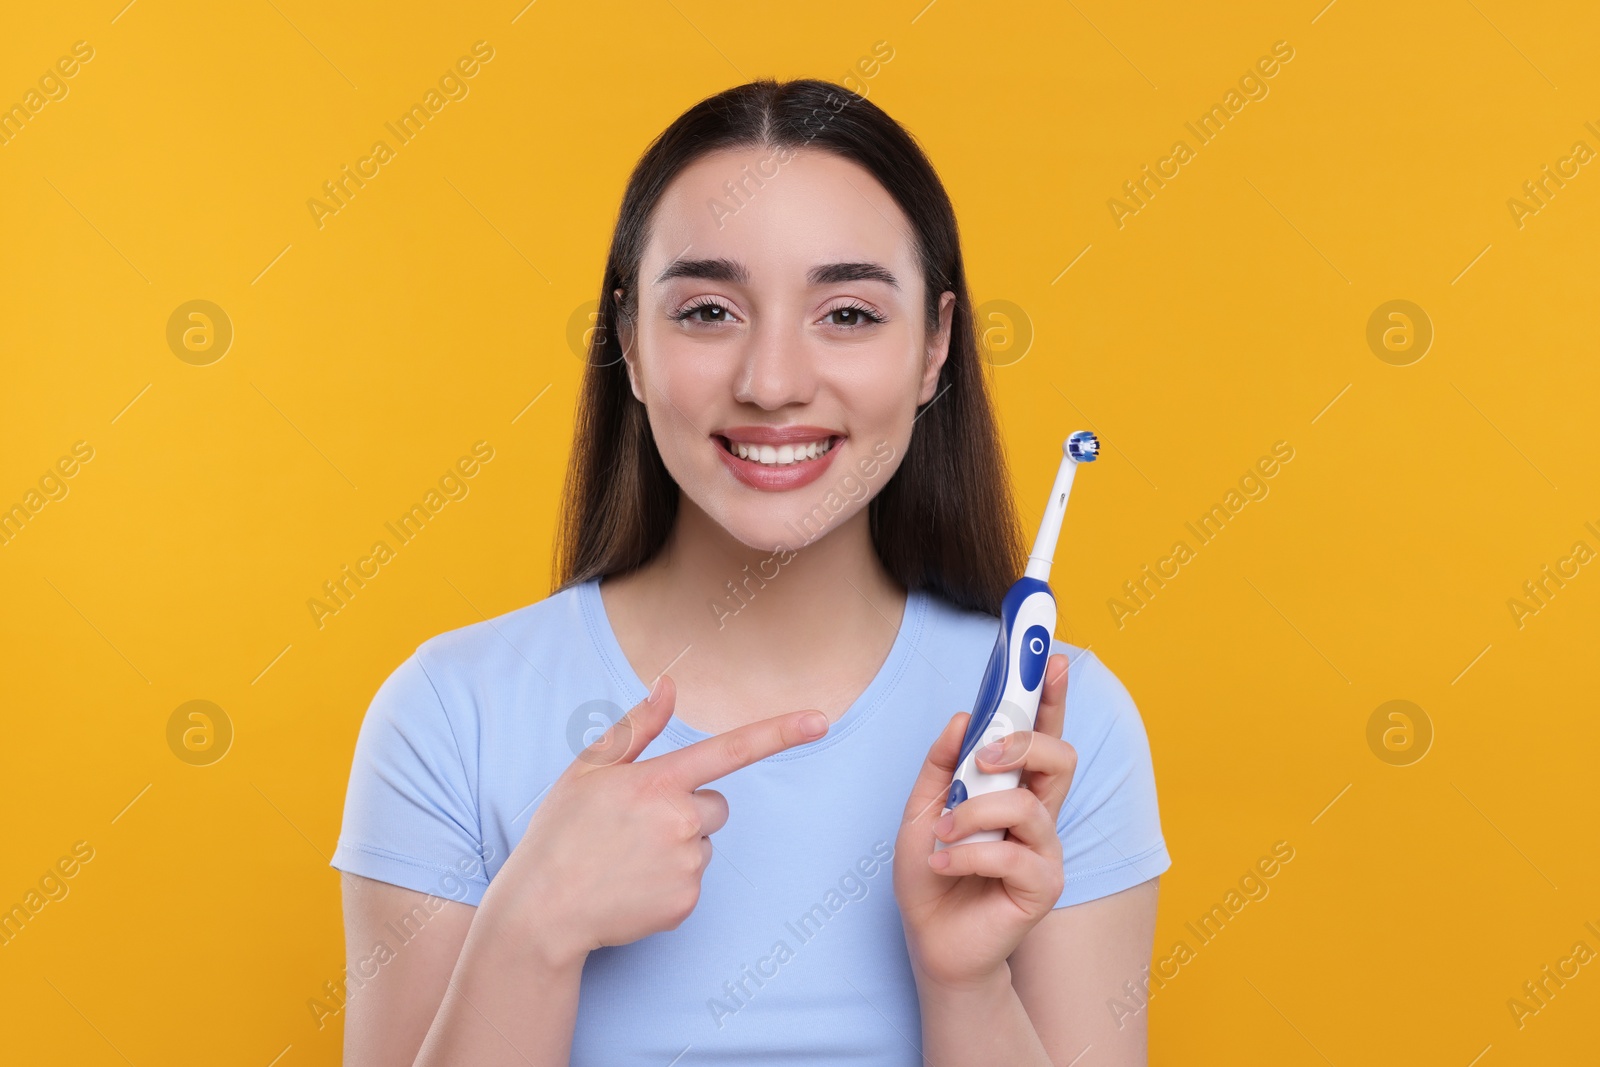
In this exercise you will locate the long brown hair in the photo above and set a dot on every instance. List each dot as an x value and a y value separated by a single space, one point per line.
945 522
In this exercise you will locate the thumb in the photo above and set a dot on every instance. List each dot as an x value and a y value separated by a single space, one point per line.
632 733
932 787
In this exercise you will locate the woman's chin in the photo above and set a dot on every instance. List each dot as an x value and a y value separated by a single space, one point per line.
765 534
770 530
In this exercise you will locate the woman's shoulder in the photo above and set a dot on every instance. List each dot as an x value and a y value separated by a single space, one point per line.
473 685
529 637
447 741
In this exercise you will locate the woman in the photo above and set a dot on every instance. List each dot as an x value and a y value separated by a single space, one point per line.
786 490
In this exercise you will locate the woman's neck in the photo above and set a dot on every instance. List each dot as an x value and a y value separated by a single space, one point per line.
731 623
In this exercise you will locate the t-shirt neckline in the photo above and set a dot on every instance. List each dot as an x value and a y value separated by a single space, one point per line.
883 683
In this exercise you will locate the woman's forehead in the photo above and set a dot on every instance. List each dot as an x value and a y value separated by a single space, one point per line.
779 220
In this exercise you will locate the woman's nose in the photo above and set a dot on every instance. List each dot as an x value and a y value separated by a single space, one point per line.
777 368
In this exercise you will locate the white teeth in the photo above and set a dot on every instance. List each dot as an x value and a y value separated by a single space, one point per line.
781 455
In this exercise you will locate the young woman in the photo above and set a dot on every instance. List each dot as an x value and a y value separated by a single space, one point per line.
786 531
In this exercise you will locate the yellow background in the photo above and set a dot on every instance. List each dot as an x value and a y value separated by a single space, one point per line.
1228 314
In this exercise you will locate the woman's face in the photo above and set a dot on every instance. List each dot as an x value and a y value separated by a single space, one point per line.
779 346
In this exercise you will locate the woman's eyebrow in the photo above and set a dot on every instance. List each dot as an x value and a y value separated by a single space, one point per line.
851 272
729 270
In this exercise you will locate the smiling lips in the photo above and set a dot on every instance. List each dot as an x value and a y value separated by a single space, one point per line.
776 457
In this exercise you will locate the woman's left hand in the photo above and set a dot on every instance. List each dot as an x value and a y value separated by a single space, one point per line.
963 920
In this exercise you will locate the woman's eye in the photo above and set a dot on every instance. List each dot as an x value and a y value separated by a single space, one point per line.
853 316
711 312
848 317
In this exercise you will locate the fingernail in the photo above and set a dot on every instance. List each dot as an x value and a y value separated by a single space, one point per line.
655 690
944 823
813 724
991 752
939 860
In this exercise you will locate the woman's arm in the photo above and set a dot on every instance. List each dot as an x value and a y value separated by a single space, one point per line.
1049 1005
614 853
1068 969
460 989
1002 973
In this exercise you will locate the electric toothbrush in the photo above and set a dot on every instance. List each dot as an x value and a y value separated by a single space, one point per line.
1008 696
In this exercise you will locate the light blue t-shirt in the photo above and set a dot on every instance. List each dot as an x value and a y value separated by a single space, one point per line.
795 952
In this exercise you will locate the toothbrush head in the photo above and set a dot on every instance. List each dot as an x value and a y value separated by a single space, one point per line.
1083 447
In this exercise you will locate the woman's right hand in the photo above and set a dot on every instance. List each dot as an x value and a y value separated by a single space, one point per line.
617 849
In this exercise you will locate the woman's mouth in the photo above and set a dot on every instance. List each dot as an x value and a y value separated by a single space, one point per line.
780 455
777 459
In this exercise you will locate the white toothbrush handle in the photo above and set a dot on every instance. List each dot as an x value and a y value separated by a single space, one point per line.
1008 698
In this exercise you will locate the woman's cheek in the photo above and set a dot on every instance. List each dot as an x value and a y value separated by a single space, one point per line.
683 411
668 428
678 405
886 428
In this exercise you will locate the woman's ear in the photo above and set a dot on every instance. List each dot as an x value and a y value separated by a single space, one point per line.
938 348
625 337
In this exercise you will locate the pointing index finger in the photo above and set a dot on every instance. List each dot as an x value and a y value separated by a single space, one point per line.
706 761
